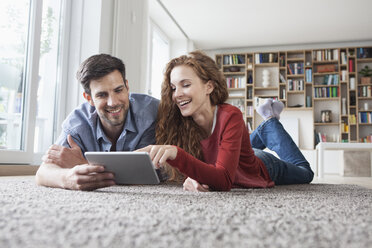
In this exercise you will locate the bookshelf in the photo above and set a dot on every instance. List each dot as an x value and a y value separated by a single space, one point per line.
324 81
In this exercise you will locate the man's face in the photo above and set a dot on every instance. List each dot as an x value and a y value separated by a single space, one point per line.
110 96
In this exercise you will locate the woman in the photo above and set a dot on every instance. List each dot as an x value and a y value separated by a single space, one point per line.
204 139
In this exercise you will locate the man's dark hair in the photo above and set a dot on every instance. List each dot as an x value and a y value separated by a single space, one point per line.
96 67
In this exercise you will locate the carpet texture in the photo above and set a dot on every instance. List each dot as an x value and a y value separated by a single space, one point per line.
317 215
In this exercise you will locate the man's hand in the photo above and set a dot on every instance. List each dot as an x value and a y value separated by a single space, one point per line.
87 177
63 156
194 186
159 154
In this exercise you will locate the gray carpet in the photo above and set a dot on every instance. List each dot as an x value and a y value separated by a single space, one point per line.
317 215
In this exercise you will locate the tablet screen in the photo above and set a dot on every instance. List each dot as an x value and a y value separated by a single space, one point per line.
128 167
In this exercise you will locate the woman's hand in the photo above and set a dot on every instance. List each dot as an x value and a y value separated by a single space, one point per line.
159 154
194 186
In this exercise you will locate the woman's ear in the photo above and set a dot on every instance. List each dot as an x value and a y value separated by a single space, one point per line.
210 86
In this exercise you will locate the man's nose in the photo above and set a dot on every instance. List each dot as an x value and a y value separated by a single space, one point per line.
112 100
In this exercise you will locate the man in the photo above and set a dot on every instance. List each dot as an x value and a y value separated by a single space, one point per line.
110 120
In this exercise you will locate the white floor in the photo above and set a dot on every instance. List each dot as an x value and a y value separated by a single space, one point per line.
333 179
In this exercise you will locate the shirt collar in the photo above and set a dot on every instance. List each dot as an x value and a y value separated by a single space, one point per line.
129 125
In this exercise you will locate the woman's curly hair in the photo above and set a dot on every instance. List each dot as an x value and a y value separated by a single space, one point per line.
172 127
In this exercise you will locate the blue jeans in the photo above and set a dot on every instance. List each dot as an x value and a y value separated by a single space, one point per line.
292 167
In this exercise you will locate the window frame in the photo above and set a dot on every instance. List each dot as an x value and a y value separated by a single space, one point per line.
26 153
31 71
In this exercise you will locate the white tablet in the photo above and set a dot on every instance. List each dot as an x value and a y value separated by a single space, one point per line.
128 167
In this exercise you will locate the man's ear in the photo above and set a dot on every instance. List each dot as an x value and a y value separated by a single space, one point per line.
126 84
210 86
88 98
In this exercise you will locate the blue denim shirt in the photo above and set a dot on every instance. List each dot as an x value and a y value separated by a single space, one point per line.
139 128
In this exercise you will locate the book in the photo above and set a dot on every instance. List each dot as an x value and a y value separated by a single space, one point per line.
322 137
343 58
351 65
289 69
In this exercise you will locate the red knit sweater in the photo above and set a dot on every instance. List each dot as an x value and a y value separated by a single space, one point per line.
229 160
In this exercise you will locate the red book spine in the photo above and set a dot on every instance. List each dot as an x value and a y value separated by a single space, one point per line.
351 65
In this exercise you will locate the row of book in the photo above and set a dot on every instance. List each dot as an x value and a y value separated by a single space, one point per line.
309 75
325 92
323 137
283 96
365 91
343 75
239 103
295 85
235 82
344 127
234 59
282 61
367 139
325 55
250 93
352 119
365 117
343 58
364 52
260 58
249 111
282 78
330 79
295 68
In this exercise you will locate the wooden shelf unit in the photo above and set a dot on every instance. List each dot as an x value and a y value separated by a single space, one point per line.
312 79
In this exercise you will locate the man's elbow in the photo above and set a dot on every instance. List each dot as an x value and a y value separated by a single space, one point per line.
38 176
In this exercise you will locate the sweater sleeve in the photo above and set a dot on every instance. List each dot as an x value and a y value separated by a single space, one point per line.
221 175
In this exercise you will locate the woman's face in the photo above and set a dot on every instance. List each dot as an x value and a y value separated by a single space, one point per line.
190 93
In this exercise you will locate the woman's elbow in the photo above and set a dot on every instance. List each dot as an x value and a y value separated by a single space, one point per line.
226 184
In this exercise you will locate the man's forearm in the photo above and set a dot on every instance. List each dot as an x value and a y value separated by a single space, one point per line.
50 175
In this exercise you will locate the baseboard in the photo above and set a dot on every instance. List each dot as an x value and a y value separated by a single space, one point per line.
18 170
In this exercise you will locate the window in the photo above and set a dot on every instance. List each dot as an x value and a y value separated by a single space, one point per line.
159 58
48 76
29 55
14 16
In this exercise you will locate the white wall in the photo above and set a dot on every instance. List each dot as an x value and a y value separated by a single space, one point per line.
287 47
116 27
306 126
129 34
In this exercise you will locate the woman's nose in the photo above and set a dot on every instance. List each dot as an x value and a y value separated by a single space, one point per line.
178 92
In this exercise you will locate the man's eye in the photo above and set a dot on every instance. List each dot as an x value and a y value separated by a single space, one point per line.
101 95
119 90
